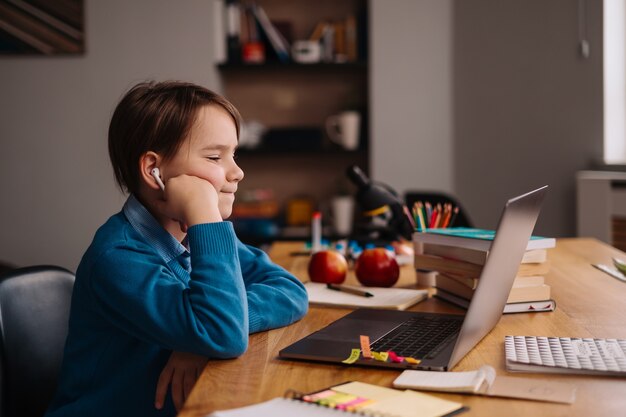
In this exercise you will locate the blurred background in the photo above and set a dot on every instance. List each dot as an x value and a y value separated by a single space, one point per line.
480 99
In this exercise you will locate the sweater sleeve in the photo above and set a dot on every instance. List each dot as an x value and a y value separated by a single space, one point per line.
134 289
275 297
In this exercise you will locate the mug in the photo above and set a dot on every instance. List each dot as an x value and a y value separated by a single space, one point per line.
342 209
344 129
306 52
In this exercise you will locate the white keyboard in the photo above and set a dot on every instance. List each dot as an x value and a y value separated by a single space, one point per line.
565 355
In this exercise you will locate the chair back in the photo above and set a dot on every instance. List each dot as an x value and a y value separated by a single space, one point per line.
34 314
437 197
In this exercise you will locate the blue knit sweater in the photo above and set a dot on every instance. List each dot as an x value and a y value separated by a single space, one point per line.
131 307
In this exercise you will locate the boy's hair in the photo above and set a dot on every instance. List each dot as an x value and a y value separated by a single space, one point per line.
156 116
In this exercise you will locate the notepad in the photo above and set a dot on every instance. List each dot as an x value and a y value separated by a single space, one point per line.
353 398
384 298
484 381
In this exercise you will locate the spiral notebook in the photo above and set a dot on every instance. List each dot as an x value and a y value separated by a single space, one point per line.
355 398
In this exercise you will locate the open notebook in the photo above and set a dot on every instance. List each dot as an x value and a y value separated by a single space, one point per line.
385 298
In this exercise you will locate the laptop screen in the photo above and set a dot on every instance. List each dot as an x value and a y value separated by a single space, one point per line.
514 229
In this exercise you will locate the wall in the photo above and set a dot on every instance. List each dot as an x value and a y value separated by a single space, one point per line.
527 107
57 185
411 93
486 99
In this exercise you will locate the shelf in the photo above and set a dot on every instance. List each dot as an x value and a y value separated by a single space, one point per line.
302 151
274 65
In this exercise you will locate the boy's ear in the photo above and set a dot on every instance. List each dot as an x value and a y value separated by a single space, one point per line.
147 162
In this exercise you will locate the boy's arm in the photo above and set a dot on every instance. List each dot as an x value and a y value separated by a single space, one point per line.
275 297
133 288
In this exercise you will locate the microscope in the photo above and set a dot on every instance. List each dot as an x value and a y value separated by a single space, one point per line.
384 216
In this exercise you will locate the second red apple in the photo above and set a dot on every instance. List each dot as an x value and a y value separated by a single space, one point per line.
377 268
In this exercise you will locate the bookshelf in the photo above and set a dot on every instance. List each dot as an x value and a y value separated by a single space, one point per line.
292 101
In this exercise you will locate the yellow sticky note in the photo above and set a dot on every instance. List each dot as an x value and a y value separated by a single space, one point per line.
380 356
413 361
354 356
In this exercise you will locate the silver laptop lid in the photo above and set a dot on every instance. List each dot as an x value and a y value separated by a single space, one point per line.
514 229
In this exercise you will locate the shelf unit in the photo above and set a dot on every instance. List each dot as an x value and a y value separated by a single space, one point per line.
292 96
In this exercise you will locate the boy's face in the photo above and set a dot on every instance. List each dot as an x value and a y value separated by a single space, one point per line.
209 153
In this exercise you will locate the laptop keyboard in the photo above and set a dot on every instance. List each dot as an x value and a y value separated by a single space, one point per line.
419 337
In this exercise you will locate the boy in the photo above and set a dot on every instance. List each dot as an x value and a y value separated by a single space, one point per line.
166 284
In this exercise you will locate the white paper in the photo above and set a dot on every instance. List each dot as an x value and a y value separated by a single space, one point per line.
279 407
468 381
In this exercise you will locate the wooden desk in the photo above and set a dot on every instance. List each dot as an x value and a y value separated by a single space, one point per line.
590 303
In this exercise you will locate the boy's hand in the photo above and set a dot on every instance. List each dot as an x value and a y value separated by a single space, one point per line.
190 200
181 372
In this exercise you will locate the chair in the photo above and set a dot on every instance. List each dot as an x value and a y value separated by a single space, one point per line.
436 197
34 314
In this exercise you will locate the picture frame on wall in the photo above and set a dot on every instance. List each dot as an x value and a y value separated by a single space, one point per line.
42 27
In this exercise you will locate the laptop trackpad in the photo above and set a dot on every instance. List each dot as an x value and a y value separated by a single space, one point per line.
349 330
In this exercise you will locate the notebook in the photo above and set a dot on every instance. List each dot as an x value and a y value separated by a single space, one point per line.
565 355
432 341
353 398
386 298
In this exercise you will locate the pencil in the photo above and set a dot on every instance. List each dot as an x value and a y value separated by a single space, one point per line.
448 214
455 212
420 215
429 211
439 216
349 290
433 218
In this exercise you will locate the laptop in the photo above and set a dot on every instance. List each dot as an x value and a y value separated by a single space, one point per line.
438 340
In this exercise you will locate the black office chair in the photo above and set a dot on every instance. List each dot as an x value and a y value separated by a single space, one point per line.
436 197
34 313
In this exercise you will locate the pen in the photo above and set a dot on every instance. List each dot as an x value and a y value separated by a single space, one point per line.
349 290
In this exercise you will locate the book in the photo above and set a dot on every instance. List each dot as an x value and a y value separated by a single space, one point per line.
353 398
233 30
530 307
478 239
318 31
484 381
275 39
447 266
464 269
515 307
478 256
565 355
519 280
522 291
383 298
525 293
351 38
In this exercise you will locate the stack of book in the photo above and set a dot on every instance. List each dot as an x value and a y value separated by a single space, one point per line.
458 256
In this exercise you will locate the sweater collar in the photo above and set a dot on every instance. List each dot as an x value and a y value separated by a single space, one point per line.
149 228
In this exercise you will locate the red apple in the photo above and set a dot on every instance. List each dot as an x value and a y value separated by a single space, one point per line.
377 268
328 266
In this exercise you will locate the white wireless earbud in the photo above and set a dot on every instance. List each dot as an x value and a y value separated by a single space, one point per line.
157 177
